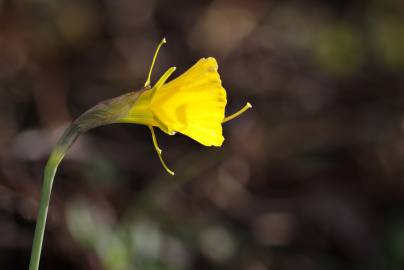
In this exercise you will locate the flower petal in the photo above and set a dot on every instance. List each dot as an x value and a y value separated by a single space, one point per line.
193 104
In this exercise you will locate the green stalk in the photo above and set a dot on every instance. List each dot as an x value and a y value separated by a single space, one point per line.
49 175
68 138
105 113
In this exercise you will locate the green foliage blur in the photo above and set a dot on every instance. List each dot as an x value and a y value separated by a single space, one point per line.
311 178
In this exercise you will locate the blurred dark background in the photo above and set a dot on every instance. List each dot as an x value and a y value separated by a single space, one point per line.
311 178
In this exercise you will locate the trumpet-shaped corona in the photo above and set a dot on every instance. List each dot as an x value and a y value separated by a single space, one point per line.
192 104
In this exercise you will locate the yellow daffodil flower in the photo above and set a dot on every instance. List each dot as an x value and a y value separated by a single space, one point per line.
192 104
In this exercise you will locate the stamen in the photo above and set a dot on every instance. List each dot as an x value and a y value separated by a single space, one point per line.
147 83
234 115
159 151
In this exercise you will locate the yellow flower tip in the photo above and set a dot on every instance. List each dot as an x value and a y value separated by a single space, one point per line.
165 165
238 113
147 83
159 151
171 172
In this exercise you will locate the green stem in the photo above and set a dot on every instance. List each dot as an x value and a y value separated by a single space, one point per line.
65 142
67 139
104 113
49 175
